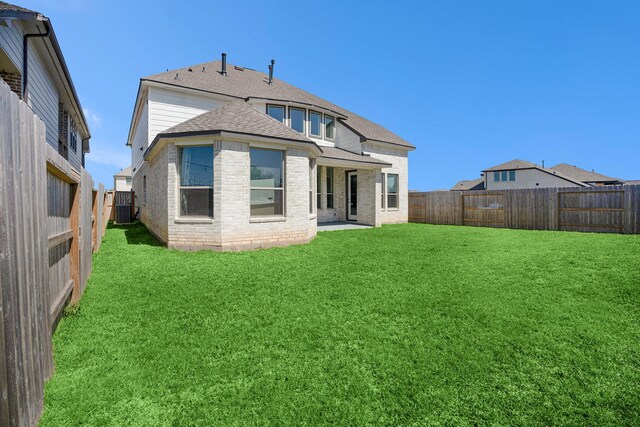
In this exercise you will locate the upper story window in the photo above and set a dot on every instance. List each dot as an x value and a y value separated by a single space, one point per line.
297 119
320 125
128 180
504 176
276 111
267 182
315 120
196 181
73 135
329 126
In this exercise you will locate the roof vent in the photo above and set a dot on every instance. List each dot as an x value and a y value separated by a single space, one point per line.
238 68
224 65
273 61
176 77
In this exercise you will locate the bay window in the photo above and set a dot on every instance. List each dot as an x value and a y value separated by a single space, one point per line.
196 180
276 111
392 191
267 182
297 117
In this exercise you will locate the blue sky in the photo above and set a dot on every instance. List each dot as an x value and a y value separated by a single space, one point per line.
471 84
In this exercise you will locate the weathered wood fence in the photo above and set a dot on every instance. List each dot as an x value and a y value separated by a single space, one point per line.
594 209
48 230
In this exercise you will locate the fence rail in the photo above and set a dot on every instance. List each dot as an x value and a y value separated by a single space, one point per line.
48 230
595 209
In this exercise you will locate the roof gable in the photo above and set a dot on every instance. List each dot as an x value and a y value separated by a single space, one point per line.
245 83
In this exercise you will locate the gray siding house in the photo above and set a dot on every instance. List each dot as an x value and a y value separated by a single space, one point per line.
516 174
32 64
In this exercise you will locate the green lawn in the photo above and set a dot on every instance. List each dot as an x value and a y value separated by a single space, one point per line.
402 325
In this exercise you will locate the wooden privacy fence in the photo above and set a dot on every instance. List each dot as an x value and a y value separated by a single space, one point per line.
613 209
50 222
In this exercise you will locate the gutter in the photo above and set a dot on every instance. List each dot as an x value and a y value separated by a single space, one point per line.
25 54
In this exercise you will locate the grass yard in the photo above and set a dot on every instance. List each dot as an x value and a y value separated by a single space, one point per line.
402 325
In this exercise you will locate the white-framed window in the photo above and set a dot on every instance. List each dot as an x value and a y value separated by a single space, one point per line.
311 164
329 126
196 180
128 180
509 175
297 119
329 178
392 191
277 112
383 192
315 124
319 187
267 182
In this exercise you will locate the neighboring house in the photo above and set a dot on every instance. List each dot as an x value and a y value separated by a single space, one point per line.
632 182
226 157
42 80
588 177
522 174
469 184
122 180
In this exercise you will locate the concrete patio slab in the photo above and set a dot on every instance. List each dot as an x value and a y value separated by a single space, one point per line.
340 225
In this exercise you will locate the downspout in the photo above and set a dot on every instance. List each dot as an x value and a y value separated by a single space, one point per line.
25 50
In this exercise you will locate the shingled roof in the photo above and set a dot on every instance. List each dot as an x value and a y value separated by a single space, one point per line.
469 184
512 165
340 154
583 174
245 83
12 7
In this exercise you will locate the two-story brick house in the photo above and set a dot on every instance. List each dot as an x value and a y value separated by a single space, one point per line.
226 157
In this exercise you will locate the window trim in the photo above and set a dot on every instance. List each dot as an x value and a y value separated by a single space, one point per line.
283 188
284 112
324 127
321 136
195 187
397 192
384 192
304 119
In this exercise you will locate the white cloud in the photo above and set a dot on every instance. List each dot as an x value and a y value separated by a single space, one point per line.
110 154
95 119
